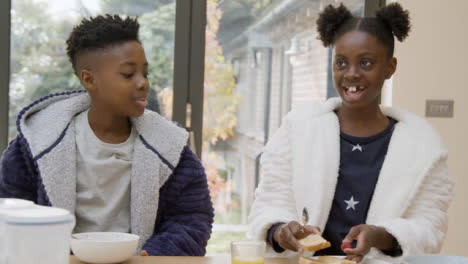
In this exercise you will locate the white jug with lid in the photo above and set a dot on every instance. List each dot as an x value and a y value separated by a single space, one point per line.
6 205
38 234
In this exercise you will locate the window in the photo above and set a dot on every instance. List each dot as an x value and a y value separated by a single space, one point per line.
262 59
39 63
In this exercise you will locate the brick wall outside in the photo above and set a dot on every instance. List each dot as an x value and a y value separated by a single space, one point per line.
308 84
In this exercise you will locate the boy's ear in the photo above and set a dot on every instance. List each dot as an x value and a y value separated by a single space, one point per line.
87 79
391 68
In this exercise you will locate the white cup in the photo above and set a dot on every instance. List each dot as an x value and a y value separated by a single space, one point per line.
38 234
248 252
6 205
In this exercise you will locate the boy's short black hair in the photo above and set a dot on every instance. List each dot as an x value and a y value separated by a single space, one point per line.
98 33
389 22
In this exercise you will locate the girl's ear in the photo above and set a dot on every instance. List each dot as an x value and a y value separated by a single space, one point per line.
391 68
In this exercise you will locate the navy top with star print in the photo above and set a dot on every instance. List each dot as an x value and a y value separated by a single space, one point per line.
361 159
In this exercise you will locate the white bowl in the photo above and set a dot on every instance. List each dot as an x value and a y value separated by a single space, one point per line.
104 247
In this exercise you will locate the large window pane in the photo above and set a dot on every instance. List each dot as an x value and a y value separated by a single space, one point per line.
262 59
39 64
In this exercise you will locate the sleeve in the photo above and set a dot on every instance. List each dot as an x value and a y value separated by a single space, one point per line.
16 176
423 227
185 213
274 199
276 247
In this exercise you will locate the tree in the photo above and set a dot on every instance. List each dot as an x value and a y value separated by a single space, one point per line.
132 8
220 99
39 64
220 103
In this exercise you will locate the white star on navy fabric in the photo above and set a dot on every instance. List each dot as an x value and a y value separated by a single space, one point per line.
358 147
351 203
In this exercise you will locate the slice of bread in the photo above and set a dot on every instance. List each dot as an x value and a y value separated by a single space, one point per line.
314 243
324 260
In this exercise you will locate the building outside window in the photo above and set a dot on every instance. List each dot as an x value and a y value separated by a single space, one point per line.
273 62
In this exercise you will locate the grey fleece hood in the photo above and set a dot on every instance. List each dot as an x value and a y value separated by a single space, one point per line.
49 129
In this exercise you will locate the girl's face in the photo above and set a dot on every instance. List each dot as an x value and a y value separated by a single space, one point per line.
361 65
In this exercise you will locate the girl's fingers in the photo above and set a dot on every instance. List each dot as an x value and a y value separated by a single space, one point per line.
289 241
312 229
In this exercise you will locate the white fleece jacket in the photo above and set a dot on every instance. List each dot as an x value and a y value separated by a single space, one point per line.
300 167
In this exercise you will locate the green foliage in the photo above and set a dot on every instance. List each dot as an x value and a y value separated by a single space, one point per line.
157 35
132 8
221 101
40 66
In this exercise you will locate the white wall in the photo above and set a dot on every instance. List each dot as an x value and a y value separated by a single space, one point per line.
433 64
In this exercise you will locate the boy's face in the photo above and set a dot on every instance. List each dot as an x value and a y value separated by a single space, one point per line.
360 67
116 78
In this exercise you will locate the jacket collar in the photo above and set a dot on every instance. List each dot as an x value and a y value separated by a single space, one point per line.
34 122
60 109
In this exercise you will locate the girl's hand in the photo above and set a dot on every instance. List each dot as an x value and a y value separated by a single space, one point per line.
143 253
287 235
367 236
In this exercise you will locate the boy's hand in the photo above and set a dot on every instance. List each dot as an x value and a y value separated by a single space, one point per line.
143 253
287 235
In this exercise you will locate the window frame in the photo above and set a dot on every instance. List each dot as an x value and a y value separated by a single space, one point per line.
189 69
5 21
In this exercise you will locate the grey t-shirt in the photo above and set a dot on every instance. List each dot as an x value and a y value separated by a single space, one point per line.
102 181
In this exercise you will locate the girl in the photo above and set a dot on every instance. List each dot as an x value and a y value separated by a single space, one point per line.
373 178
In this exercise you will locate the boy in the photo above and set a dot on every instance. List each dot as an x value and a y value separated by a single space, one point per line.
101 155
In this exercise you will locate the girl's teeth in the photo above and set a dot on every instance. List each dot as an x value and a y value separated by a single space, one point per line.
354 88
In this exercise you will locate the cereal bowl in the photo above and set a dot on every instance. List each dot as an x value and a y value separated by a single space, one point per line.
104 247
